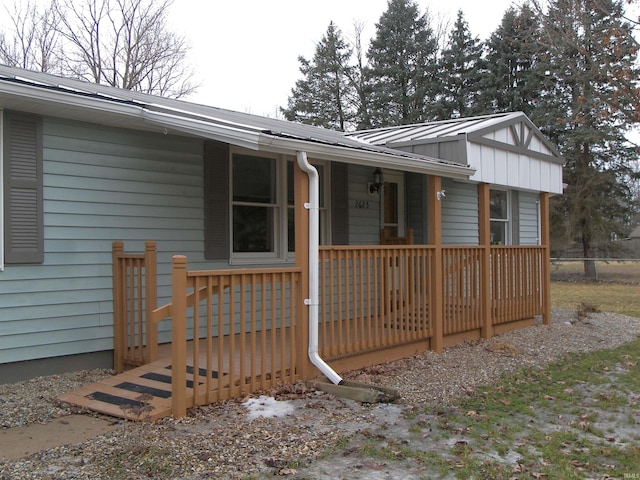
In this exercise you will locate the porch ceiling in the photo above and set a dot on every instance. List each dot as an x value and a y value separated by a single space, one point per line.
45 94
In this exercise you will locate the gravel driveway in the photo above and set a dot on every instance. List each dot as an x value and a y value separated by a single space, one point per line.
223 441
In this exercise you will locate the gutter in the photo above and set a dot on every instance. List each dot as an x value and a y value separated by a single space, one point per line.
365 157
313 301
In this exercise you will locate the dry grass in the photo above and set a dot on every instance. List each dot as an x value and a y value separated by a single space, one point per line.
618 272
616 291
607 297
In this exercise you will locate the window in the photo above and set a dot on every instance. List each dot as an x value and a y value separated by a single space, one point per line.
262 208
249 205
255 204
499 217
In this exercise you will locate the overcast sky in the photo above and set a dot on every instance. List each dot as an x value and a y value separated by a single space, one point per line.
246 52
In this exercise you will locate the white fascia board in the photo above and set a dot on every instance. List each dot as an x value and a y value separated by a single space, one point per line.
36 92
321 151
235 135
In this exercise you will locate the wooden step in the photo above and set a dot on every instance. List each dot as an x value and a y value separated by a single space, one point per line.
142 393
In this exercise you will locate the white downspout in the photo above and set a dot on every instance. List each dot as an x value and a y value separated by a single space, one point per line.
314 233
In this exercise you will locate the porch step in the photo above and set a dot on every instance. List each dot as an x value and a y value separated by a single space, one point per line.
140 394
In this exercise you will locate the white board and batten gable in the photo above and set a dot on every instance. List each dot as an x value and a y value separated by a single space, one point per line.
505 149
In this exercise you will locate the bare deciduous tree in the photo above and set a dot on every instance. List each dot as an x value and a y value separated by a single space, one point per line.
122 43
125 44
35 43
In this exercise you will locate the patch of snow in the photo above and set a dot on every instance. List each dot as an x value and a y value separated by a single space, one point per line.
267 407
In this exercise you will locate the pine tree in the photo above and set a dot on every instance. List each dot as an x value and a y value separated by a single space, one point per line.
462 74
587 109
325 95
513 63
401 58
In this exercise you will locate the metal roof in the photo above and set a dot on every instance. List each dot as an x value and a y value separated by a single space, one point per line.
433 130
46 94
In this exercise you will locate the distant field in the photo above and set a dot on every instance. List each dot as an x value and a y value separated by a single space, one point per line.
619 272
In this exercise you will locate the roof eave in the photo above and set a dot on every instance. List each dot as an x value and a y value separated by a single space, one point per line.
339 153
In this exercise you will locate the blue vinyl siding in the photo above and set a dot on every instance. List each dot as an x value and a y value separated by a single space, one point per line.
364 208
100 185
529 219
459 213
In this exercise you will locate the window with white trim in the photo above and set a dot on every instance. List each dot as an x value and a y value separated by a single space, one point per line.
262 207
499 217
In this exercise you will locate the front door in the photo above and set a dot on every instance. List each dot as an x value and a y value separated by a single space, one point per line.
393 204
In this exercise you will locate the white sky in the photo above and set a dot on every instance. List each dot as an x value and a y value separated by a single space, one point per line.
245 52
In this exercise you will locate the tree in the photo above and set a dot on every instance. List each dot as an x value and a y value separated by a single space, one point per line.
402 61
326 94
587 109
35 44
122 43
515 78
461 74
125 44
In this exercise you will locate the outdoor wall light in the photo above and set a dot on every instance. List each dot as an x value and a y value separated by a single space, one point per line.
440 194
377 181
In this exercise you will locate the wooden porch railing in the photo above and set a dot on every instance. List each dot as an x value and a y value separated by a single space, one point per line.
373 297
234 331
241 325
134 296
516 283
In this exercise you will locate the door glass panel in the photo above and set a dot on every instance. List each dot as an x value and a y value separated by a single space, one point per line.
391 207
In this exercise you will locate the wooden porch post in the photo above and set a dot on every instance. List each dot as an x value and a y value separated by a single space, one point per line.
545 241
301 219
118 320
179 337
484 230
151 300
435 239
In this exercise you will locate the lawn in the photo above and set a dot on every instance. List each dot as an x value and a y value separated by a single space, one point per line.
607 297
615 291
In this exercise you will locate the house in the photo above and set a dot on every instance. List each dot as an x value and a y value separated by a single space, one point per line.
428 234
632 244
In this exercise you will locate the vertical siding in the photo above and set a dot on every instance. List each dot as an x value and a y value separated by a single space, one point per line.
364 208
510 169
529 223
100 185
459 213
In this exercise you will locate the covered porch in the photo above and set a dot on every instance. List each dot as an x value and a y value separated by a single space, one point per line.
239 331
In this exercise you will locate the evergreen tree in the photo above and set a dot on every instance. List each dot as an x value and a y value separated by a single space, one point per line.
587 109
513 63
401 58
325 95
462 74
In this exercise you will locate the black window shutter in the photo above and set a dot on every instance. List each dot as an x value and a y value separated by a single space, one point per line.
216 198
339 204
24 232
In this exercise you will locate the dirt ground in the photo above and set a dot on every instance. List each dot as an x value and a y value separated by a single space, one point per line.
20 442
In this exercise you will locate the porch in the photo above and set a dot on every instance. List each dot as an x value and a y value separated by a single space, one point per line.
235 332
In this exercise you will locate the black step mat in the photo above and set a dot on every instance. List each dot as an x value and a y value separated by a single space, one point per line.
134 387
201 371
116 400
158 377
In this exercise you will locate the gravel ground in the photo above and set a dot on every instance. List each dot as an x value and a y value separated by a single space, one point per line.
221 441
